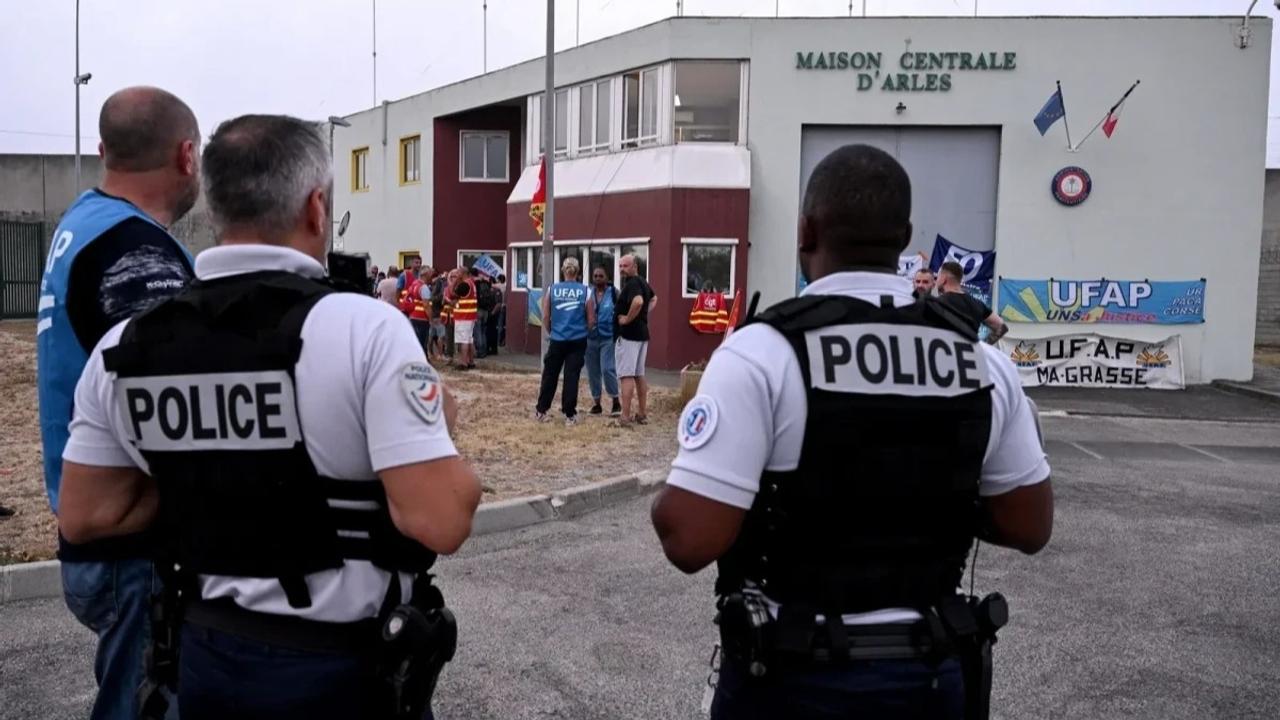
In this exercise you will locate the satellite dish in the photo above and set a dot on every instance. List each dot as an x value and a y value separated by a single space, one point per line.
342 225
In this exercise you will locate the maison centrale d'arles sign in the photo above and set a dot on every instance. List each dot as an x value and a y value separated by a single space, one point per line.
915 71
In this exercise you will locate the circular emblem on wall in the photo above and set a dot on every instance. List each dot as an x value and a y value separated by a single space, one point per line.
1071 186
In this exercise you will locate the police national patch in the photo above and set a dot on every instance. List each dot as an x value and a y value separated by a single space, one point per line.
424 392
698 422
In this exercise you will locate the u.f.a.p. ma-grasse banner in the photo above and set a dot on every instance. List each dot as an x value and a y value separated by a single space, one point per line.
1125 302
1097 361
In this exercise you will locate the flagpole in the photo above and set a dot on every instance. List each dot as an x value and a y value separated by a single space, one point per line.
1062 99
1115 107
549 143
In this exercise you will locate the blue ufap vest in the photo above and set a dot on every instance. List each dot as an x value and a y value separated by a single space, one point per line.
59 357
604 314
568 311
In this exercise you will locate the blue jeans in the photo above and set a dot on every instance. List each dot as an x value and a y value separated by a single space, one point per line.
226 676
600 364
480 336
881 689
113 599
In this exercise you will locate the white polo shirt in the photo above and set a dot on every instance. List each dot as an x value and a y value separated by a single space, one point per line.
754 406
355 411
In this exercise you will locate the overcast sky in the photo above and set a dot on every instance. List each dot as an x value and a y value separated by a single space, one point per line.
311 58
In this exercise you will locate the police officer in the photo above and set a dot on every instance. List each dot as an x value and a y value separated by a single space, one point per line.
840 520
112 256
290 448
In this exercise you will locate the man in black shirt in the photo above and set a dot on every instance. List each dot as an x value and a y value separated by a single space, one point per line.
951 292
632 309
113 258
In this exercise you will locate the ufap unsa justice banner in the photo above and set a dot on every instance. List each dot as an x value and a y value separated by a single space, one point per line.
1102 301
1097 361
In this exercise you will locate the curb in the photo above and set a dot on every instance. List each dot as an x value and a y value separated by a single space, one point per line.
1236 388
26 581
36 580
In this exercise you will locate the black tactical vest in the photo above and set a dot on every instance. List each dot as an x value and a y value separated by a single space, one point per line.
882 509
207 388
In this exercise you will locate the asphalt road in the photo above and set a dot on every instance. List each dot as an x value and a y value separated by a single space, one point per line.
1156 599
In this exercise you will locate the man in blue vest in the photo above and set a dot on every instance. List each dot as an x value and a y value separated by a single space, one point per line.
110 258
568 314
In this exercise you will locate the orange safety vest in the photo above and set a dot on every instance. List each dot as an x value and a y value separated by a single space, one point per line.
710 314
465 307
417 306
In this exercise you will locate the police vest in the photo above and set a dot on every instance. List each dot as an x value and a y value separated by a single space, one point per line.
59 356
207 385
882 508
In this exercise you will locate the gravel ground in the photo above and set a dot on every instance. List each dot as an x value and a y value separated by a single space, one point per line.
512 454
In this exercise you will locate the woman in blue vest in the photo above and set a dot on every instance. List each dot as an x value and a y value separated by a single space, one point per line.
566 311
600 350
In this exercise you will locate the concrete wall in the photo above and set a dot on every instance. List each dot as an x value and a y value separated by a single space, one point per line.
1269 267
38 188
1177 193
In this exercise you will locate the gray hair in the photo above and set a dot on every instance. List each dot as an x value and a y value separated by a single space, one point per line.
259 171
570 267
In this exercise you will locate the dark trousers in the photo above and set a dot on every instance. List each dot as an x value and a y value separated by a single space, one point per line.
227 676
881 689
569 355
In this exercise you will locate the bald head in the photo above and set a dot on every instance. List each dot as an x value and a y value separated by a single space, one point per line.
142 128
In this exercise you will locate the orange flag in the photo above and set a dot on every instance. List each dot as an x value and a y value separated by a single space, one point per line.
538 206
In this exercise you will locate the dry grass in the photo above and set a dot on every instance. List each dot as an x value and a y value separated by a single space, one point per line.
30 533
512 454
1269 356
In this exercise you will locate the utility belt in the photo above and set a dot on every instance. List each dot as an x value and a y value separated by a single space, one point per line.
960 626
409 643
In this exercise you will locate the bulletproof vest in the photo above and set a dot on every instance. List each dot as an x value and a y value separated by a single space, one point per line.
882 509
208 392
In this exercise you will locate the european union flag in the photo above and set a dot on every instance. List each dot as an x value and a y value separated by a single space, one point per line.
1051 112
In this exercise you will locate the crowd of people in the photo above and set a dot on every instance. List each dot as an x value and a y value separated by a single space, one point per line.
458 315
606 330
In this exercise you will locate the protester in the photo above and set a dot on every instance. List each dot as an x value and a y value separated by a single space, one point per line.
386 291
601 366
497 316
410 273
417 295
484 306
923 283
567 313
374 278
446 313
951 292
118 259
464 320
634 304
438 336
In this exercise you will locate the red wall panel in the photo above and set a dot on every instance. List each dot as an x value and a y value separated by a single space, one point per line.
470 215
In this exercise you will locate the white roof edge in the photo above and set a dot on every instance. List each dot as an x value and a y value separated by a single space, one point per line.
690 166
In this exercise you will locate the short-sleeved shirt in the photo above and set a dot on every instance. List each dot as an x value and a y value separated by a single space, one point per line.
638 329
755 383
357 420
969 307
124 271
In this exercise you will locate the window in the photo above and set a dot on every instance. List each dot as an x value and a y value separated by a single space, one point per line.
706 101
360 169
709 263
527 260
409 160
468 257
640 107
484 156
594 102
562 123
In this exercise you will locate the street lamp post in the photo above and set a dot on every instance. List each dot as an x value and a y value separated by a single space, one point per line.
334 121
80 79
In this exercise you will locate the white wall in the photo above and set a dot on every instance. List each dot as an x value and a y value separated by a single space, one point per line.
1177 193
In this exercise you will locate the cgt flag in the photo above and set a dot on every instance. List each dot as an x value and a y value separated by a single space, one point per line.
538 205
